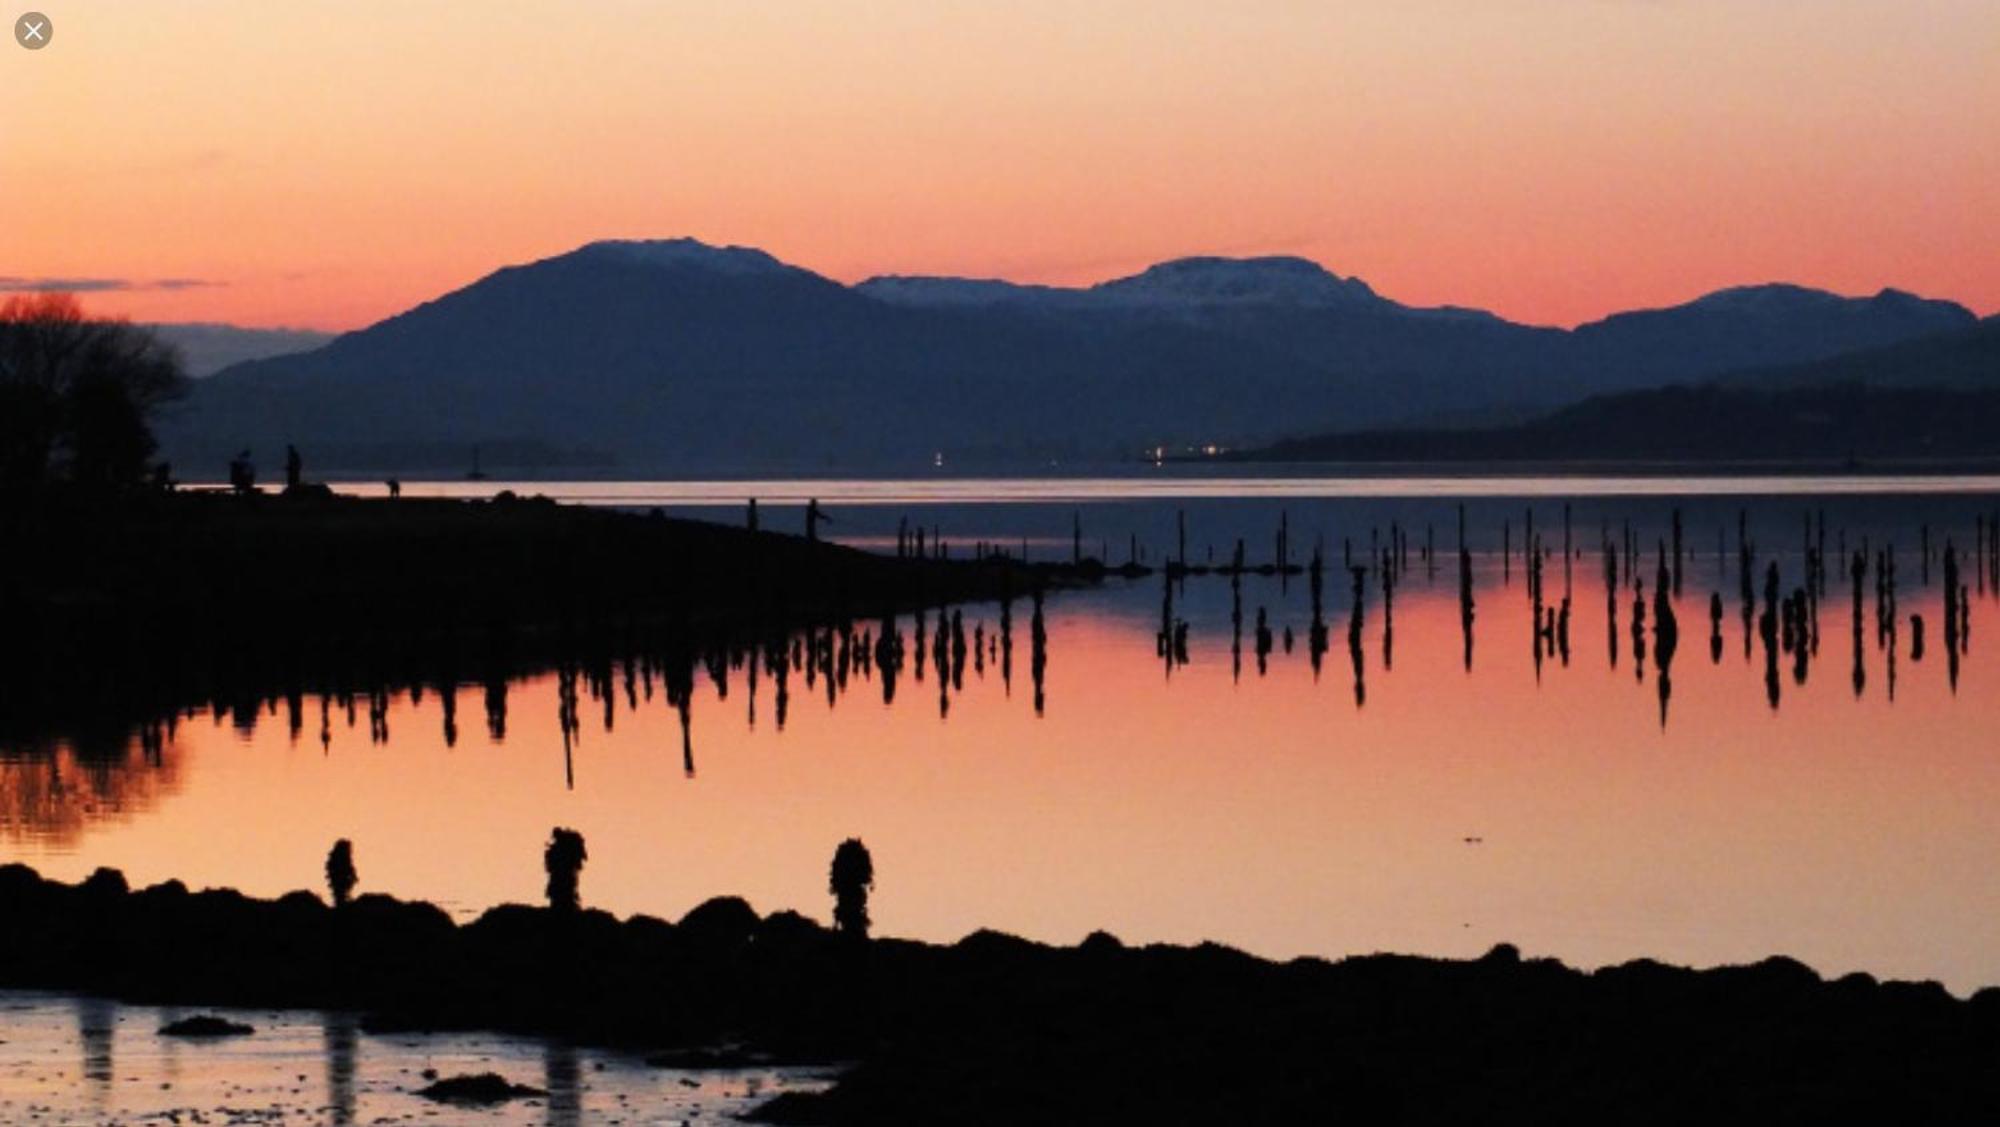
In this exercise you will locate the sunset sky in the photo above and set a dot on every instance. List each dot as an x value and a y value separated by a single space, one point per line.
327 164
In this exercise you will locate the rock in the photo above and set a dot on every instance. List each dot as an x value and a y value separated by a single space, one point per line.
484 1088
205 1025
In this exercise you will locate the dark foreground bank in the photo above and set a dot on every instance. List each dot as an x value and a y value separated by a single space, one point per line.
118 608
995 1029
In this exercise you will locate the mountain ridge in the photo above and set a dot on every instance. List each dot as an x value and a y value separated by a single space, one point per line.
1931 398
675 355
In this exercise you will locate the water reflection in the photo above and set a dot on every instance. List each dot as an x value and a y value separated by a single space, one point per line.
562 1078
1112 747
53 789
341 1036
96 1022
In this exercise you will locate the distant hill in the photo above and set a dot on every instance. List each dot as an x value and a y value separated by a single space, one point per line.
1756 326
678 357
1968 358
208 348
1935 399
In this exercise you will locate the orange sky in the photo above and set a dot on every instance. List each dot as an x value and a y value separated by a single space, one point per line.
326 164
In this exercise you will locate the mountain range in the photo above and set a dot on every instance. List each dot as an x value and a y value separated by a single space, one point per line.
673 356
1935 399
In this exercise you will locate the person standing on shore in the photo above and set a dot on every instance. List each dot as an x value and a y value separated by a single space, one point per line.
242 474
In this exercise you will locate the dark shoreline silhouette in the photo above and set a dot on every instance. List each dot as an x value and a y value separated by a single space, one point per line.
126 608
999 1029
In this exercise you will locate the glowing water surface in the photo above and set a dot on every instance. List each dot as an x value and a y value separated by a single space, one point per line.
1429 808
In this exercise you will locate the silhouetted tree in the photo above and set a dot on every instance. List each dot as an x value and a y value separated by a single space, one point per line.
563 858
340 875
853 875
76 393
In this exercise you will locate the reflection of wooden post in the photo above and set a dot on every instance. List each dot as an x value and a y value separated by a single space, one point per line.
1820 550
1566 549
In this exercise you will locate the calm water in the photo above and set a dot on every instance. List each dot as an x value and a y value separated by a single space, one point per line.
85 1060
1388 796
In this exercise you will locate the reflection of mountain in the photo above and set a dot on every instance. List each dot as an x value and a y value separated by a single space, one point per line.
1934 398
54 794
679 356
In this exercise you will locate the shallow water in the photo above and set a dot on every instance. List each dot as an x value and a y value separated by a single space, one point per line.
1423 806
87 1060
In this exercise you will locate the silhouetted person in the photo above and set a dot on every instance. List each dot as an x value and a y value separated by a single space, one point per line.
752 524
395 488
294 468
563 858
814 516
242 473
851 878
340 875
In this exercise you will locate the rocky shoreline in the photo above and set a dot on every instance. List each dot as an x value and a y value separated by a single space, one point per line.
997 1029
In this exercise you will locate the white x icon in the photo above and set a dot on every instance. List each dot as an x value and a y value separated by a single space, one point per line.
33 31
